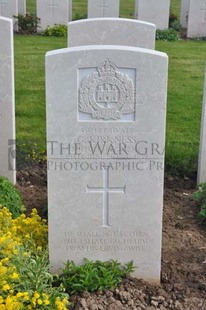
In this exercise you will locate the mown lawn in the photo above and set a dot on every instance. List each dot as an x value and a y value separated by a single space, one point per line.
185 92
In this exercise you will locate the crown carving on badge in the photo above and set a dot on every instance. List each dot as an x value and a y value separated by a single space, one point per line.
107 68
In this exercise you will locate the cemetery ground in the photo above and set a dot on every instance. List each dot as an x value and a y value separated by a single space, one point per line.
183 276
183 279
183 282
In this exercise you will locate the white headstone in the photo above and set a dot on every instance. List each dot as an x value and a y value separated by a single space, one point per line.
8 8
111 31
22 7
70 10
53 12
7 109
197 19
184 11
201 177
106 109
103 8
154 11
136 9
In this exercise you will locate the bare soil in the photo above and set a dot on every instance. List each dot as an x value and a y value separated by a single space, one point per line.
183 279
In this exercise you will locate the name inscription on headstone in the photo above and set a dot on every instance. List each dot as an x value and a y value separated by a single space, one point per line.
123 148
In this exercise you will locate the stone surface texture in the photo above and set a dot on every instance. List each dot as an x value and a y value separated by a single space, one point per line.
136 9
7 109
106 111
197 19
70 10
184 11
103 8
53 12
111 31
202 153
22 7
154 11
8 8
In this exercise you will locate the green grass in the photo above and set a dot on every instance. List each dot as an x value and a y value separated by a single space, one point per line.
31 6
30 85
185 91
175 7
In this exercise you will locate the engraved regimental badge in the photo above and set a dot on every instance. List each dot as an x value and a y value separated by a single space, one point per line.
107 93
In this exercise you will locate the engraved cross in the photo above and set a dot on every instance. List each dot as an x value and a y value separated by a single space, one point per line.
52 6
104 7
204 11
106 190
2 2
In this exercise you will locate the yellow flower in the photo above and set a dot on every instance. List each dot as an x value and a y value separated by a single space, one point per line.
1 300
61 304
19 294
36 295
6 287
3 270
46 302
14 234
14 276
26 296
39 301
33 300
4 260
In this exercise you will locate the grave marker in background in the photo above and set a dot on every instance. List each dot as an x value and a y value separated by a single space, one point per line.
53 12
103 8
184 11
106 111
22 7
201 177
197 19
154 11
7 109
111 31
70 10
136 9
8 8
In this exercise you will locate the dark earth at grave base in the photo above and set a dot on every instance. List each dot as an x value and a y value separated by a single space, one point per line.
183 279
